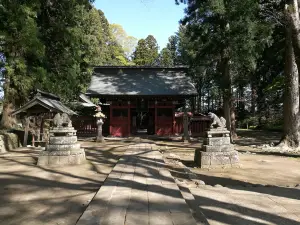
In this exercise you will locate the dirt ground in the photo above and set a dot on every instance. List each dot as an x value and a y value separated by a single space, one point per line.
256 165
31 194
264 190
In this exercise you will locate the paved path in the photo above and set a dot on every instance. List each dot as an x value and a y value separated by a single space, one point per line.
139 190
249 205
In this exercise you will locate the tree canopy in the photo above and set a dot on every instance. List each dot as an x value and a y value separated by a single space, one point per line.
53 46
146 52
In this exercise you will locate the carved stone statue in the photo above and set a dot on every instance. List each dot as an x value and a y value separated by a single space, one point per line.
216 121
62 120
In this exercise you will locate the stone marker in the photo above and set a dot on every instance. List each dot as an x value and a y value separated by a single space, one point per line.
62 148
217 151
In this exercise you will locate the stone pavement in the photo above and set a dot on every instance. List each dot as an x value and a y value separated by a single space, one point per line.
248 205
140 190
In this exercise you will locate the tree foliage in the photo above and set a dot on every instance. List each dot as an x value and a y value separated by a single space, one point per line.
166 58
22 53
128 43
146 52
223 42
52 45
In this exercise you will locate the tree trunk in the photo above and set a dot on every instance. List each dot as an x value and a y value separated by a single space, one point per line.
228 106
7 121
186 137
241 102
291 134
199 106
253 98
208 100
292 16
233 124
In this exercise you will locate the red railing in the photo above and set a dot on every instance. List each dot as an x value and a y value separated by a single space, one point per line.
85 125
197 125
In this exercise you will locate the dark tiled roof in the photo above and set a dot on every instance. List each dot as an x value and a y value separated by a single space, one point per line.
51 104
46 94
86 101
146 81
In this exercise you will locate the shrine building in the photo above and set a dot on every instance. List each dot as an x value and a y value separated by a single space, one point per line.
139 99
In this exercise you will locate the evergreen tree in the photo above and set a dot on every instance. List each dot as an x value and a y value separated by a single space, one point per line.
62 32
22 53
224 36
146 52
140 55
172 46
152 47
166 58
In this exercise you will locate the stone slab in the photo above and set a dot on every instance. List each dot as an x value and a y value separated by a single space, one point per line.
67 140
217 132
140 197
62 130
62 147
61 157
218 148
58 153
216 159
217 141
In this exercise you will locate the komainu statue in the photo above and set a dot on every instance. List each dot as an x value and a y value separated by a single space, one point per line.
62 120
216 121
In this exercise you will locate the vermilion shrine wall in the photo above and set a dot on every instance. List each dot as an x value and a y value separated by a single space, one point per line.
120 118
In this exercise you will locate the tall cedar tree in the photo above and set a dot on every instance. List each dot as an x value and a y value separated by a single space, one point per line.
21 51
291 136
225 34
52 46
66 48
166 58
146 52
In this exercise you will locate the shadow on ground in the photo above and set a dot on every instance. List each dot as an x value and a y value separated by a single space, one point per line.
32 194
37 195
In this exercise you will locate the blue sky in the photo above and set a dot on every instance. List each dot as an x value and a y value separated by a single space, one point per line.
139 18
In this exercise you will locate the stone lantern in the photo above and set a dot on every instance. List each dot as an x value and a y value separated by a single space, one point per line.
99 116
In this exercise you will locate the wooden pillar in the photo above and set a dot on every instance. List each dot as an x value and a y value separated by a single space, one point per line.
129 119
110 118
186 137
42 129
26 130
173 118
155 117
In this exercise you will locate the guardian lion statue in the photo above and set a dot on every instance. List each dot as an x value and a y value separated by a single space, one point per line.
62 120
216 121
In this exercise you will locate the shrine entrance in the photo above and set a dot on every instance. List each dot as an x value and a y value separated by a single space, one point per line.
142 122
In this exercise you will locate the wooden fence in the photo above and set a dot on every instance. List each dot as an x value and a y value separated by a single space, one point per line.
197 125
86 126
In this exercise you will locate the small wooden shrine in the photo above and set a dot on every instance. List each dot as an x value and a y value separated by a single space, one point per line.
141 99
37 114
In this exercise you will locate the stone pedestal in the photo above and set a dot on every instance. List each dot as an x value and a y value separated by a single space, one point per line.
62 149
217 151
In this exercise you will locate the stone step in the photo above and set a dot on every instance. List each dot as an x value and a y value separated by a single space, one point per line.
64 140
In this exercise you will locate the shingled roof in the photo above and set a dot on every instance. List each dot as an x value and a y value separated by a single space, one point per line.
47 100
144 81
